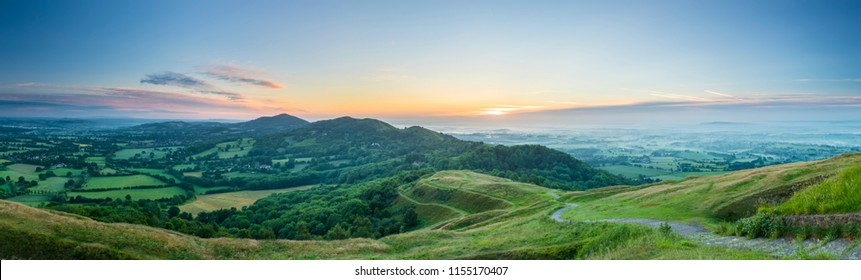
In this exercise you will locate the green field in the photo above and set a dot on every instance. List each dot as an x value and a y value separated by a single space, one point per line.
97 160
13 171
32 200
197 174
136 194
63 171
634 171
119 182
157 153
3 161
201 190
179 167
211 202
238 148
53 184
151 171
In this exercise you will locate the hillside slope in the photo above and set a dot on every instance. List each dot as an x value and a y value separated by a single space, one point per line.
517 226
711 199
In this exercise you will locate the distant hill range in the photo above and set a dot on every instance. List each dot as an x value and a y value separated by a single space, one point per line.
259 126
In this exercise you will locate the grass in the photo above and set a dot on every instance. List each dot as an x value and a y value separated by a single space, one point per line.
63 171
634 171
4 161
32 200
13 171
202 190
185 166
708 199
211 202
198 174
522 230
152 171
119 182
836 195
53 184
97 160
136 194
222 151
31 233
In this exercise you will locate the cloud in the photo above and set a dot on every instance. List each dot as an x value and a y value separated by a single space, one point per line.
168 78
240 75
63 100
678 96
721 94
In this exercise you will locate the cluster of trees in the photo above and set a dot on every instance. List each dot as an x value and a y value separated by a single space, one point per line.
327 212
144 212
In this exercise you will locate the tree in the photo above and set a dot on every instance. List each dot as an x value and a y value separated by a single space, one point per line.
411 217
337 232
362 227
173 211
302 231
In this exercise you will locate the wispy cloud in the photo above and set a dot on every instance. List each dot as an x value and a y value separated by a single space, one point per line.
678 96
60 100
721 94
240 75
169 78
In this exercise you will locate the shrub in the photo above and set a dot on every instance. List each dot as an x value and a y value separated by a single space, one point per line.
761 225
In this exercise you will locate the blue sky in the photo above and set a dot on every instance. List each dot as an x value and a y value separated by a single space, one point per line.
423 59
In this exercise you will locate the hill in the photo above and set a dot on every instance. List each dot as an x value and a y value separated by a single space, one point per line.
517 226
277 123
208 131
348 150
719 201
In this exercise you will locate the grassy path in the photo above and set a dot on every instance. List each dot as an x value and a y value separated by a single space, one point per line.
841 248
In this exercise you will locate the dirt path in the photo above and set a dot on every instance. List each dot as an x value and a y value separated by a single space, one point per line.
776 247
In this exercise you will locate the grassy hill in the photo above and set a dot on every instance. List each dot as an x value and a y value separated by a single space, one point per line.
514 225
715 199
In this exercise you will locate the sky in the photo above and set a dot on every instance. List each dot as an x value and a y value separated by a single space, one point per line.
415 61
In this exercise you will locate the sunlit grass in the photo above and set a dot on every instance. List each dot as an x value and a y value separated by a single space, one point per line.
836 195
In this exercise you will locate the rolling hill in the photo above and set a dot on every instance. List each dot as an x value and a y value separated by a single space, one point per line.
463 215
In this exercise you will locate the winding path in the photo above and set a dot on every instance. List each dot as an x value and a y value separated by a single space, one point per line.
776 247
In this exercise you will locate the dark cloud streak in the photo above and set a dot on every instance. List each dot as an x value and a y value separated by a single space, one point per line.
239 75
169 78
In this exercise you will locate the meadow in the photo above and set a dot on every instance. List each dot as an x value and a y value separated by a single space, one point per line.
212 202
157 193
225 150
119 182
